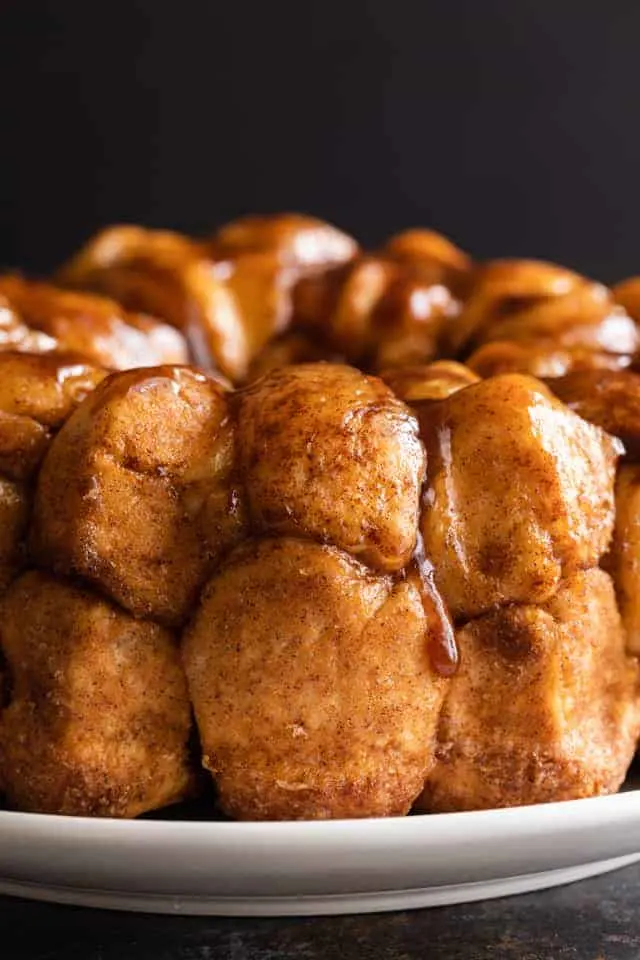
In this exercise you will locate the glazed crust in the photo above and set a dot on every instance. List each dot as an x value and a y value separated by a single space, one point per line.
608 398
46 388
136 493
170 276
544 706
434 256
531 300
330 664
301 242
519 494
37 393
98 718
378 311
543 358
93 327
425 383
329 453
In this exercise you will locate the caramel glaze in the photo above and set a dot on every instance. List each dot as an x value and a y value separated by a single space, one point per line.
610 399
422 387
443 649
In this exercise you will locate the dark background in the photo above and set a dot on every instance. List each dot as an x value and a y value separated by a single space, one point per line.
512 125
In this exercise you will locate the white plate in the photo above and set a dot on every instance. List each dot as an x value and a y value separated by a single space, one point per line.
269 869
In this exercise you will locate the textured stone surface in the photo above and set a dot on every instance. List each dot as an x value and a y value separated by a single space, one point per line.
594 920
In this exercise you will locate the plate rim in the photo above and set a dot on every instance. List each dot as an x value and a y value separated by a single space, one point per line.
383 901
583 810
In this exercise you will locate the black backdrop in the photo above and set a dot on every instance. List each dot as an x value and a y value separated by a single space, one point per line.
510 124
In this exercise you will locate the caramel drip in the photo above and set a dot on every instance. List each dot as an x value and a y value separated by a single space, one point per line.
443 650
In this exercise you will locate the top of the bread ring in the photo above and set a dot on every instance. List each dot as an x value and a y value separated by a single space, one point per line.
44 317
531 299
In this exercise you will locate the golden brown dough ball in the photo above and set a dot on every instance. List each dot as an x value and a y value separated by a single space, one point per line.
544 706
519 494
540 358
410 322
378 312
136 493
312 684
435 257
37 392
608 398
157 271
45 387
304 243
329 453
337 304
423 384
98 718
260 289
532 300
91 326
428 382
16 335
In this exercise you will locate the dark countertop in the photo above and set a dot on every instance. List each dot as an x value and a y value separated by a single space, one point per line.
595 919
